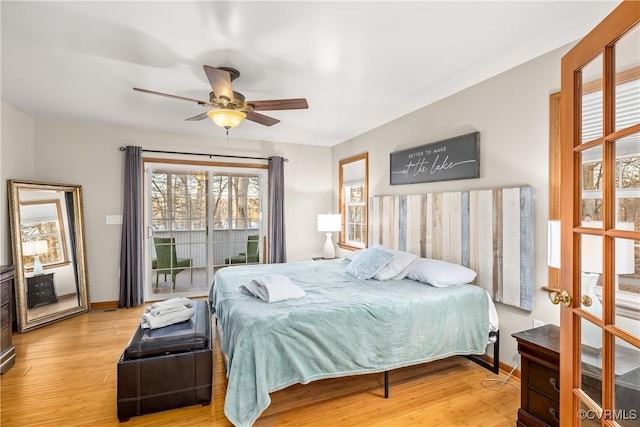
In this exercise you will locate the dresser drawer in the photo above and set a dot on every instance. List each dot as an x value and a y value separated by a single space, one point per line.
544 409
5 294
5 317
544 380
5 338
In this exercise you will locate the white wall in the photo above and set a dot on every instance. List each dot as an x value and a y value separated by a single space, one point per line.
88 155
17 151
511 111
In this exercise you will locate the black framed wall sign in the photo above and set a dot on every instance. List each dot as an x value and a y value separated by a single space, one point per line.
454 158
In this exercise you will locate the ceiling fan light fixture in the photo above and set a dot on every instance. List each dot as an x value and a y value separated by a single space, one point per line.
226 118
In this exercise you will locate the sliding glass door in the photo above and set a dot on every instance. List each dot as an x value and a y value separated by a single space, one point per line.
199 218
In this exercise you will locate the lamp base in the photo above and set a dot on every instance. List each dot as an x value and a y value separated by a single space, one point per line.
37 266
328 252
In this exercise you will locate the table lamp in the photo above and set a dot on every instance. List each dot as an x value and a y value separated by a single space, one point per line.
328 223
36 248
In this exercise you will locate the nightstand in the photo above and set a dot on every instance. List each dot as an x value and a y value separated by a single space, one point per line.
539 349
40 290
7 351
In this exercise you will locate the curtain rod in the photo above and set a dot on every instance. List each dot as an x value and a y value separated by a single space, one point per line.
202 154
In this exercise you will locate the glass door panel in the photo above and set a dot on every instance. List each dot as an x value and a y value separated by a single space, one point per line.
592 100
627 379
627 93
177 239
592 180
238 197
591 356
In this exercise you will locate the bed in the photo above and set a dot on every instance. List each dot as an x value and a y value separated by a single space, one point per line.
342 326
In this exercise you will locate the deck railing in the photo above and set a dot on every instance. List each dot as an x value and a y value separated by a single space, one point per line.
193 244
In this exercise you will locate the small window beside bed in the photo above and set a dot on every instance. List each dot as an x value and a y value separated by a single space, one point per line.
353 184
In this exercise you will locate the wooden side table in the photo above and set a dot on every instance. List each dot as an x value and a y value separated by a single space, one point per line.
40 290
7 350
539 349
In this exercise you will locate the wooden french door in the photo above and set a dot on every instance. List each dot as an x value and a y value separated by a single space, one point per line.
600 217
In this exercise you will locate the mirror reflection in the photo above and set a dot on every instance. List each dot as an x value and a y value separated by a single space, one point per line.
48 252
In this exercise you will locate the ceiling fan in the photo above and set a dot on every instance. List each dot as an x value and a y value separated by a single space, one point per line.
228 107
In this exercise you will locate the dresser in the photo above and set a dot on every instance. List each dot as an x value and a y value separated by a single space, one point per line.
7 351
40 290
539 350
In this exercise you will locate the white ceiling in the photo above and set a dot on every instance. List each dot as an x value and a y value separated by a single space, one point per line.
359 64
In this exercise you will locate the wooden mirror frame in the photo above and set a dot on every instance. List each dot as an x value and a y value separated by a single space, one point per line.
76 229
343 208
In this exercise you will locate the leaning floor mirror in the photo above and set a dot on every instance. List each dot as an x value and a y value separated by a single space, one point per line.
47 236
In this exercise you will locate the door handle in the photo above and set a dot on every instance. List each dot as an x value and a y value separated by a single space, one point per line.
149 232
563 297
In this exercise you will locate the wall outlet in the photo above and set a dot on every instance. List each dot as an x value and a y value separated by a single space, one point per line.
537 323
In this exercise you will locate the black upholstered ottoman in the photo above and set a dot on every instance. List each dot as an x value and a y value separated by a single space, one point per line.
168 367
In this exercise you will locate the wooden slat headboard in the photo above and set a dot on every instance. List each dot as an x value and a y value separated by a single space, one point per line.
489 231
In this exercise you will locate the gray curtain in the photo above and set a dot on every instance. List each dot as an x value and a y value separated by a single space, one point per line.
71 220
276 235
131 261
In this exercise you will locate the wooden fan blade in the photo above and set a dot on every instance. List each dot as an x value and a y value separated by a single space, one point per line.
182 98
220 82
261 118
198 117
279 104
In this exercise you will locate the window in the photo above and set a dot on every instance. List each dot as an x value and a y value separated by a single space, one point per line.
42 233
354 202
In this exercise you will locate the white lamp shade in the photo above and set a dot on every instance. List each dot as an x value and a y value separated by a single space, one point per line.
553 242
36 247
329 222
591 260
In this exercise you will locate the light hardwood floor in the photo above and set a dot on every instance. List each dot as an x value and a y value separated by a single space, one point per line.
65 375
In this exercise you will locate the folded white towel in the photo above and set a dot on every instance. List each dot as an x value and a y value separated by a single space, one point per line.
166 315
272 288
171 301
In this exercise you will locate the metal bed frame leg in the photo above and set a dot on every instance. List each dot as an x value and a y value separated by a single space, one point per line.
495 367
386 384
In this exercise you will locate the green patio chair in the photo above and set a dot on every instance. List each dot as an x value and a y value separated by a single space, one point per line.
250 256
167 262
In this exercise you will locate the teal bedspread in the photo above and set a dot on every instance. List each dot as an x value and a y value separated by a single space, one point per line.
342 326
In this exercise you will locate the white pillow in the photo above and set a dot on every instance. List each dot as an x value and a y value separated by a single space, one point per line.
439 273
398 267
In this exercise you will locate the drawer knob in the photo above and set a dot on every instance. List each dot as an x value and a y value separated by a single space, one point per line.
554 384
554 414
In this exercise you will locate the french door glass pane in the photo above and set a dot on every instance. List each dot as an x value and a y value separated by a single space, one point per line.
627 290
627 371
592 181
592 100
591 354
588 417
627 186
628 80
